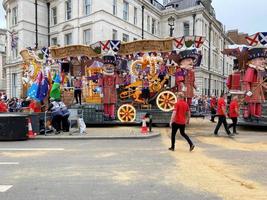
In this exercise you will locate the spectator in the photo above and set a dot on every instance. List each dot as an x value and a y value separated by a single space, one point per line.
78 90
3 106
54 107
12 105
35 106
65 117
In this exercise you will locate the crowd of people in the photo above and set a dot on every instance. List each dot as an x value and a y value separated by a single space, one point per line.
58 109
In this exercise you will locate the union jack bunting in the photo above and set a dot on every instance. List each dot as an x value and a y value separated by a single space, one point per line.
105 45
178 42
199 41
263 38
115 45
253 40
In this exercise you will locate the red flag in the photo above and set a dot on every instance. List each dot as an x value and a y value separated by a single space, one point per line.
253 40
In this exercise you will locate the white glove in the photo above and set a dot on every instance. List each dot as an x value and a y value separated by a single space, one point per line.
101 95
170 124
249 93
117 86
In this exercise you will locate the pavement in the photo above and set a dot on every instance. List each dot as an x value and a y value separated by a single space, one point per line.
218 168
112 132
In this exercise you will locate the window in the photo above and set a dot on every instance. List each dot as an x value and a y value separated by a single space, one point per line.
125 10
14 16
14 84
114 34
125 37
54 16
135 15
54 41
186 29
87 7
15 52
114 7
158 29
87 36
153 26
148 23
68 9
68 39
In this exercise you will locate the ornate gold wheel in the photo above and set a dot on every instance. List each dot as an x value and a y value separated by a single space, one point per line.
126 113
166 101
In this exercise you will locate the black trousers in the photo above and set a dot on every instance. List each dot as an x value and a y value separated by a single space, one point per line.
213 114
234 120
56 122
222 120
65 123
78 96
181 127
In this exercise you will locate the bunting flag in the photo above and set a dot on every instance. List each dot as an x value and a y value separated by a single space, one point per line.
178 42
189 41
263 38
115 45
96 47
32 92
253 40
45 51
14 40
199 41
105 46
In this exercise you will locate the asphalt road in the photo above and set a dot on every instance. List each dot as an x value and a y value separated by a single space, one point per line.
219 168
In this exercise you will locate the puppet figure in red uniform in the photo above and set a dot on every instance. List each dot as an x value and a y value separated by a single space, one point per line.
253 80
109 85
234 80
187 61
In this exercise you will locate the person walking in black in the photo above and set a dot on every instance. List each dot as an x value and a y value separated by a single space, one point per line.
55 108
178 120
221 112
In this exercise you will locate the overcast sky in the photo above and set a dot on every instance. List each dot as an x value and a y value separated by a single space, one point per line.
247 16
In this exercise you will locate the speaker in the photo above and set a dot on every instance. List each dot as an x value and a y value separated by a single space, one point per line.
13 127
65 67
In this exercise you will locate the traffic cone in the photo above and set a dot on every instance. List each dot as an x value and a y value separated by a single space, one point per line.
30 131
144 129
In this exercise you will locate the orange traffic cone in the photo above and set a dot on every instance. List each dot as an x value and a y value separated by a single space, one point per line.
30 131
144 129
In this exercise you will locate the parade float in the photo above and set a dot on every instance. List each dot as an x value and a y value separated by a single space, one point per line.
121 81
249 79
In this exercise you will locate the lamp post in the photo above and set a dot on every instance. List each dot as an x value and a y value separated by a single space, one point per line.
171 20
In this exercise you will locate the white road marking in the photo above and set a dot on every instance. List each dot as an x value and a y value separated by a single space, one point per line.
4 188
31 149
9 163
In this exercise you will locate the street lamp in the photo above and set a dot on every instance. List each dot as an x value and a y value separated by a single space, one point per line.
171 20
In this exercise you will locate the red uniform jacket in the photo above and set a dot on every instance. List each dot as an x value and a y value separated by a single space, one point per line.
252 80
189 83
108 83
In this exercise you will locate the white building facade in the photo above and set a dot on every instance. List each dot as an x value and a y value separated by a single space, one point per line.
64 22
2 60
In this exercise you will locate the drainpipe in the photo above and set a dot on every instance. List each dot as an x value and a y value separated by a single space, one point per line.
143 16
36 25
194 23
209 61
48 24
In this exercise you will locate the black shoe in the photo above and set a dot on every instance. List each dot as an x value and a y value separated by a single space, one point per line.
171 149
231 134
57 133
216 134
236 133
192 148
